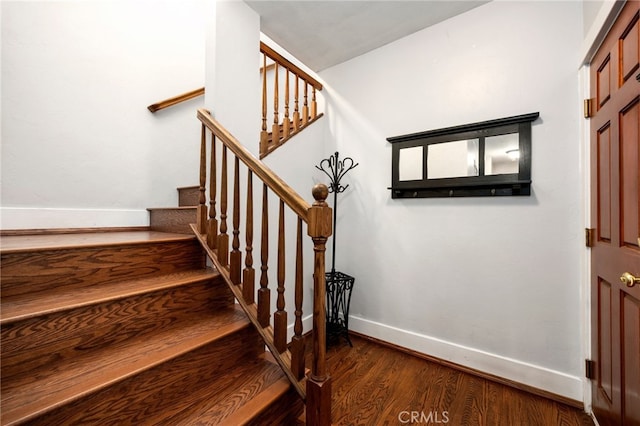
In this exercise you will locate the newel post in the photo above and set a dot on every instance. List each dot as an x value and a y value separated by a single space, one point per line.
318 381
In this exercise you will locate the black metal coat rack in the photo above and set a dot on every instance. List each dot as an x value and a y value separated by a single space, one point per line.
336 169
339 285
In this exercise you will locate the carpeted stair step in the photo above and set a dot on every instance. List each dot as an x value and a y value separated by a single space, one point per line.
172 219
189 196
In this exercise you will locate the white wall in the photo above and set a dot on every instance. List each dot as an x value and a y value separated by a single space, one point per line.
232 75
491 283
79 148
488 283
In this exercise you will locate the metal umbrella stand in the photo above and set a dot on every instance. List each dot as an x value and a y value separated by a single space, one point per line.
339 284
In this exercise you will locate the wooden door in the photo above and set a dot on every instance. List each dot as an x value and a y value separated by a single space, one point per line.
615 215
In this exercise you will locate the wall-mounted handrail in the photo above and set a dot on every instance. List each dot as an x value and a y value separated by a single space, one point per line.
299 107
176 100
189 95
219 152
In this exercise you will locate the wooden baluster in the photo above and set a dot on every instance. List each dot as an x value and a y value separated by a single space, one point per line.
318 410
264 299
223 238
314 104
248 275
235 260
280 316
296 112
212 232
275 129
305 106
286 123
297 342
202 206
263 134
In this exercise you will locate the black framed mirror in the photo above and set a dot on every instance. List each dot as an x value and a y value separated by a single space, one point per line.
489 158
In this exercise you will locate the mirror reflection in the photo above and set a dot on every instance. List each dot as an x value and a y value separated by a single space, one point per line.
453 159
501 154
411 163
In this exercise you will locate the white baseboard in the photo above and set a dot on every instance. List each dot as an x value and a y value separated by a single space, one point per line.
521 372
50 218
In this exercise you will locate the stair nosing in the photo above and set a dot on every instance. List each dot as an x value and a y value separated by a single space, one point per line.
249 408
168 237
258 403
117 290
151 209
188 187
91 381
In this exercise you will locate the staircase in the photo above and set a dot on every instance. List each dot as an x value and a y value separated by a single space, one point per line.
133 327
176 219
129 328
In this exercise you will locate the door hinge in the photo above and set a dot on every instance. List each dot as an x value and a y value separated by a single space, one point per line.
590 369
587 108
589 237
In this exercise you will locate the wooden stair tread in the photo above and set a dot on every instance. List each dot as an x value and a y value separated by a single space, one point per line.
267 396
30 243
172 208
236 398
30 305
43 390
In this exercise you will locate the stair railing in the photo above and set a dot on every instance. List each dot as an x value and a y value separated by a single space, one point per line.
176 100
296 81
223 247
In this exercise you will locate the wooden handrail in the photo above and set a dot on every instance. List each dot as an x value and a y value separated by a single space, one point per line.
225 192
281 130
176 100
289 65
277 185
189 95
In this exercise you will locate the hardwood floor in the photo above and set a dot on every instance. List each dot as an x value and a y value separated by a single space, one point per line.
377 385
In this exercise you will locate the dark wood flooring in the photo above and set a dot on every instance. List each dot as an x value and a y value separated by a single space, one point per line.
378 385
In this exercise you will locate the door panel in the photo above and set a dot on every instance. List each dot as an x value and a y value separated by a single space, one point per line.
615 211
604 81
630 173
605 374
629 50
631 358
604 183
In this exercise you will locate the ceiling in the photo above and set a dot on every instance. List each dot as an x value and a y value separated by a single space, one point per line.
324 33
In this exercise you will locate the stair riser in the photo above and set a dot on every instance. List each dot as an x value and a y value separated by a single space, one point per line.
188 196
172 220
284 411
31 272
146 396
37 342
